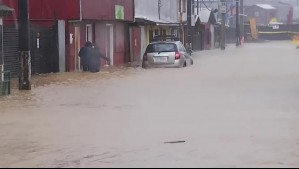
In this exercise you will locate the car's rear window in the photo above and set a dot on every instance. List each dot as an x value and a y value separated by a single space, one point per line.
161 47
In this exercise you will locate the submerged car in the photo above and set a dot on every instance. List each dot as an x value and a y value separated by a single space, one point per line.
166 54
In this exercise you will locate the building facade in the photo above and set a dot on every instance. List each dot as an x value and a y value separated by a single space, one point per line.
48 20
152 18
205 34
263 13
104 23
59 29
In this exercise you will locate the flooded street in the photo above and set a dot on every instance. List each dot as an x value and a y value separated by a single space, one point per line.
237 108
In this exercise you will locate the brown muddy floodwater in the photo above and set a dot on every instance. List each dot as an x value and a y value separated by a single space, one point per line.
237 108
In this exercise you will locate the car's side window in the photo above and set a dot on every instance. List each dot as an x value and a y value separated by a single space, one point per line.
180 48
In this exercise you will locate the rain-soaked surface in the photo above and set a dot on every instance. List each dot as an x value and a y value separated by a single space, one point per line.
237 108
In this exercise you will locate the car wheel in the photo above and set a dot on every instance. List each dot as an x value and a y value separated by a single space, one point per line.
185 64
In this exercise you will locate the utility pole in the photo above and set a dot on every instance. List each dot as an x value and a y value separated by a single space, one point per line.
242 18
189 23
1 48
223 25
237 24
24 46
198 7
159 8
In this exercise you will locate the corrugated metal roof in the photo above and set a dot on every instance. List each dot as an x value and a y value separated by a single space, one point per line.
6 8
204 15
265 6
270 2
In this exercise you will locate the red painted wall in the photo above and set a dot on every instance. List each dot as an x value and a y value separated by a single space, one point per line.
119 41
105 9
64 10
119 50
70 49
46 12
49 9
136 43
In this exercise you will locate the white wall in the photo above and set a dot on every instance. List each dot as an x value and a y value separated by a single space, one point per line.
212 29
61 43
296 13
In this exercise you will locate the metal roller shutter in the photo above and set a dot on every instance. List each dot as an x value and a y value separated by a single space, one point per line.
11 51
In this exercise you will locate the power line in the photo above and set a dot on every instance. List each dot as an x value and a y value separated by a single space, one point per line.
206 5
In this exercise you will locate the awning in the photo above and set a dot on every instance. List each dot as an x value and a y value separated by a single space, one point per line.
5 10
153 21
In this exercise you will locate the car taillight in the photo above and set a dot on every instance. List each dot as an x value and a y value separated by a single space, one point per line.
145 57
177 56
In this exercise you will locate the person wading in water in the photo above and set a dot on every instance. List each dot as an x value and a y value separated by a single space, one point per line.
85 54
95 60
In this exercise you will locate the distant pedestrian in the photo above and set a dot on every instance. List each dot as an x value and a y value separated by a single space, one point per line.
85 54
95 60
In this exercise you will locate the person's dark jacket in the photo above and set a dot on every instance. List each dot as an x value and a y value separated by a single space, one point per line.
85 54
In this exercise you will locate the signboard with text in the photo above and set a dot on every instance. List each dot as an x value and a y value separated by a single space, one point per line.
223 8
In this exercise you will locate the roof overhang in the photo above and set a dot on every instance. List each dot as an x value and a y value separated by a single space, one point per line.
151 21
5 10
206 16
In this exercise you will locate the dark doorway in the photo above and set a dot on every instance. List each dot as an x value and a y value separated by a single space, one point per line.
44 50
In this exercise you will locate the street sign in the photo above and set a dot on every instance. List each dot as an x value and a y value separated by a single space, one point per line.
276 27
223 8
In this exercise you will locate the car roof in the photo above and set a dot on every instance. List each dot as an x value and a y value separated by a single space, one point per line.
160 42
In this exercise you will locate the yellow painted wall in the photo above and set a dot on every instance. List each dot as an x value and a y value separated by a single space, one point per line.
296 39
153 28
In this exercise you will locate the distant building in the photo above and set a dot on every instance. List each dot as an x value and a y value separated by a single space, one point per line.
283 7
204 30
263 13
